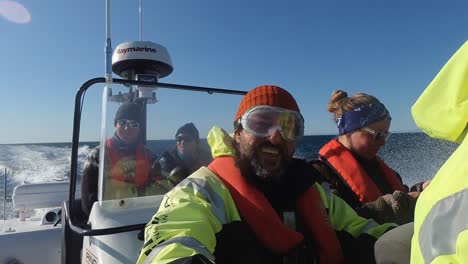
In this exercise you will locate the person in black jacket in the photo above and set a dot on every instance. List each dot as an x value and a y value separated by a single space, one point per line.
186 157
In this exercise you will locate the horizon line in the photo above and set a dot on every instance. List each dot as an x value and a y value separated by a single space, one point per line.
93 141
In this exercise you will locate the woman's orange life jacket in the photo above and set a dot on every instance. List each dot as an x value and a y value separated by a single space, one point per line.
265 222
349 169
142 164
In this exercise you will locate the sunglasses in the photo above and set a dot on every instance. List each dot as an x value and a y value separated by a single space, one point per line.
130 123
184 138
377 135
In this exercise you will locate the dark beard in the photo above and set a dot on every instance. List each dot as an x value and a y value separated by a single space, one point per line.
264 174
253 170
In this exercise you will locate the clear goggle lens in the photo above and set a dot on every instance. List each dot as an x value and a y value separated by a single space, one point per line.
263 121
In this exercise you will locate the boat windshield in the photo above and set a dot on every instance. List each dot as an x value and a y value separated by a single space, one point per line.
147 146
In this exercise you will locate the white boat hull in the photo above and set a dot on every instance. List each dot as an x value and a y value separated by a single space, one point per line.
29 242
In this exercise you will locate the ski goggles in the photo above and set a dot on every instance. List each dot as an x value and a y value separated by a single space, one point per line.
263 121
377 135
130 123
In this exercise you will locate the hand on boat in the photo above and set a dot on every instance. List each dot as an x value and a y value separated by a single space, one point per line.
397 207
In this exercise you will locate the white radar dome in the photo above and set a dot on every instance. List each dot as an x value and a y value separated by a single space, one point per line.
141 57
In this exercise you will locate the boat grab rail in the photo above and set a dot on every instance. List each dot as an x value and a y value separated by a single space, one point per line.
98 232
79 99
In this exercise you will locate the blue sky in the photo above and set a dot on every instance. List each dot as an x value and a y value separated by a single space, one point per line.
390 49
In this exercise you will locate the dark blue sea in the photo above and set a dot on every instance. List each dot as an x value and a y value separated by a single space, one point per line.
415 156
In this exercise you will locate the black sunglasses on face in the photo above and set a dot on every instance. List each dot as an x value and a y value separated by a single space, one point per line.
184 138
130 123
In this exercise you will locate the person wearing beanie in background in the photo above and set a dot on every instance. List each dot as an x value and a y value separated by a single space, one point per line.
255 203
352 168
129 168
186 157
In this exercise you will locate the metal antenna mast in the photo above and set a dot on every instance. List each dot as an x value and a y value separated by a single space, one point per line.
108 48
140 15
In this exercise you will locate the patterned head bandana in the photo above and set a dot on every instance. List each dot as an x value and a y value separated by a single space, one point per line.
361 117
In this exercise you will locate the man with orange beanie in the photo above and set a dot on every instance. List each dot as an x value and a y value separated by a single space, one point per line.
255 203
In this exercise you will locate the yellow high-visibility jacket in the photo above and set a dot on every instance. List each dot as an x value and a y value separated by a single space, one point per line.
441 216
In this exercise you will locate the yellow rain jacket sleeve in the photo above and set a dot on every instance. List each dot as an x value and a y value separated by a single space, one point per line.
344 218
441 221
188 219
442 109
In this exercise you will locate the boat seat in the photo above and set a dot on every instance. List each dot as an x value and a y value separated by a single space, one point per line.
40 195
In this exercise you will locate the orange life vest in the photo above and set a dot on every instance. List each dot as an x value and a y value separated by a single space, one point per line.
265 222
142 164
349 169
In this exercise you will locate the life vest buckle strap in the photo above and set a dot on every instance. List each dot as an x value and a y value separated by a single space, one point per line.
289 219
301 254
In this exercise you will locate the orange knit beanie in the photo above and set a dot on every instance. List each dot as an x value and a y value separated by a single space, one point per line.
266 95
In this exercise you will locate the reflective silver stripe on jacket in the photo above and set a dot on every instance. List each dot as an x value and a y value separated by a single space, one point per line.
203 187
326 189
370 224
186 241
219 210
442 225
